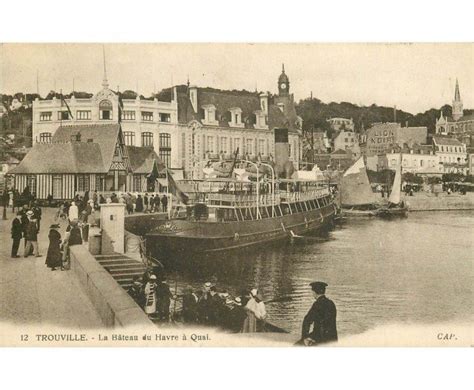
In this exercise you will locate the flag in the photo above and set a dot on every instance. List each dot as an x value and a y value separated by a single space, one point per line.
175 190
233 162
67 106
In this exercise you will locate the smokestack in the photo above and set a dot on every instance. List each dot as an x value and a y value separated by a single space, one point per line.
395 114
282 151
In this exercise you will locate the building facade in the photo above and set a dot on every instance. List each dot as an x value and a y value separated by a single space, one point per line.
452 154
145 122
215 124
341 124
382 137
419 159
346 140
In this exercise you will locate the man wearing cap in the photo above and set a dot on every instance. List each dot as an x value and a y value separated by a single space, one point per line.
190 306
17 234
321 316
31 235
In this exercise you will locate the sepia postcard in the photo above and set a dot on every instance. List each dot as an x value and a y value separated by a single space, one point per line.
236 195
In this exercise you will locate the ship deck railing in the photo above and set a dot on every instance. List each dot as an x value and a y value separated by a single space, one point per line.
292 197
231 200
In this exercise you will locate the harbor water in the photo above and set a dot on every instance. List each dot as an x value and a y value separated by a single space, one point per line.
416 270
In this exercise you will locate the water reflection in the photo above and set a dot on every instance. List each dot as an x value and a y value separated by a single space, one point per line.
414 270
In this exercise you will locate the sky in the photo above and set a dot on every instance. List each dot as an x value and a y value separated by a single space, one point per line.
414 77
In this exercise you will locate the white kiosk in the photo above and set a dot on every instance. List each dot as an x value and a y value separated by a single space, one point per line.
112 223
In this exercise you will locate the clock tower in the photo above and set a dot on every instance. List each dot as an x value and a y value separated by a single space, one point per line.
283 83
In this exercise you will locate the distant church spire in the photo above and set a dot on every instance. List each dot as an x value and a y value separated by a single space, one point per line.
282 68
457 103
457 95
105 83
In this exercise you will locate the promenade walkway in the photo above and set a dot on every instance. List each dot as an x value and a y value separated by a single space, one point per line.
32 294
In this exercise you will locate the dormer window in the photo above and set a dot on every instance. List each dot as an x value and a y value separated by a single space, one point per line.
209 114
281 106
236 117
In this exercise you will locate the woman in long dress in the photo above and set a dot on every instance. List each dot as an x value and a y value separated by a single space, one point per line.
53 257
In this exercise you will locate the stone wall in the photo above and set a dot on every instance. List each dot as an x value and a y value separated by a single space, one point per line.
113 304
440 202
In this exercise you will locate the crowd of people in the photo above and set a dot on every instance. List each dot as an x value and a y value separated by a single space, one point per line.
205 306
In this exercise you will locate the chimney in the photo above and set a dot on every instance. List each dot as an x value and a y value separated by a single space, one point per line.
395 114
281 151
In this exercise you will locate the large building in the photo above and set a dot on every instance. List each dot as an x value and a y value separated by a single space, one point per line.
341 124
86 158
459 126
184 124
214 124
452 154
419 159
145 122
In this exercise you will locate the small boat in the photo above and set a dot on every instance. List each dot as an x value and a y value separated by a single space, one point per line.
357 198
396 207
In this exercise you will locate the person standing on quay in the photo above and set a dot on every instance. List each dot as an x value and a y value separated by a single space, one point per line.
150 296
321 316
17 234
145 203
156 203
164 202
31 235
53 257
37 214
73 212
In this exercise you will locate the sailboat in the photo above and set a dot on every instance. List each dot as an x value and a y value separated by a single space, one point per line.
396 207
357 197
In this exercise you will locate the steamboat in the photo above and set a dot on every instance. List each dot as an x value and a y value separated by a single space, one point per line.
249 203
236 216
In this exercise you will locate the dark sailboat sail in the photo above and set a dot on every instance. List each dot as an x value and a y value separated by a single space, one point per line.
355 186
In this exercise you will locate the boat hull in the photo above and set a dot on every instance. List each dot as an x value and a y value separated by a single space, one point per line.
396 212
184 236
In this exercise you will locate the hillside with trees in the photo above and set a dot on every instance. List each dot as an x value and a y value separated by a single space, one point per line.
315 114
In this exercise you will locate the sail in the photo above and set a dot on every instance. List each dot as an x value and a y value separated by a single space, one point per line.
396 187
355 186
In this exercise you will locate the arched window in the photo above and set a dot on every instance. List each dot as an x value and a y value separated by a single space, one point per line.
147 139
45 137
105 110
165 148
129 138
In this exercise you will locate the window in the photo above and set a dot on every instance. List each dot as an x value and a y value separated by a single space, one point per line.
165 148
57 186
249 146
82 183
346 140
394 162
129 138
147 116
237 145
147 138
261 147
421 163
83 115
45 137
105 110
137 183
442 149
236 118
129 115
165 117
210 144
100 182
46 116
224 144
31 182
63 115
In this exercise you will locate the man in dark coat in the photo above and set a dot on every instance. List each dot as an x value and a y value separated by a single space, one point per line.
156 203
163 300
145 203
190 306
31 235
164 202
17 234
139 204
37 214
321 316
